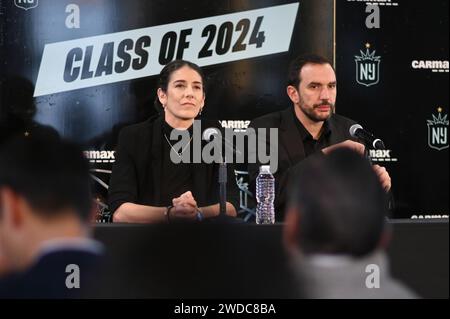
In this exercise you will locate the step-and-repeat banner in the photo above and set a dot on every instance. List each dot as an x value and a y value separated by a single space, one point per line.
393 75
93 65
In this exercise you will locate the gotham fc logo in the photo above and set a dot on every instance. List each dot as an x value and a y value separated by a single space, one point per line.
438 131
26 4
367 67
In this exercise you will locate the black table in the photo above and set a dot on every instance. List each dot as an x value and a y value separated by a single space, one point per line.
248 260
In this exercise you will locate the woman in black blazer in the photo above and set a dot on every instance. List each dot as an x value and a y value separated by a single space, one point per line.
147 185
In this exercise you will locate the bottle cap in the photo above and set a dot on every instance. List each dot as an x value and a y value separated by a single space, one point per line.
264 169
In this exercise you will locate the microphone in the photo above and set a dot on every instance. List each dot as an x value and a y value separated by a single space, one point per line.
357 131
210 132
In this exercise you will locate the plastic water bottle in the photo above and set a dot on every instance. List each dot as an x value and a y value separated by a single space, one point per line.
265 196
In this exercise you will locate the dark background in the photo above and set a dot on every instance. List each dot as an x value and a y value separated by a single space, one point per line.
398 107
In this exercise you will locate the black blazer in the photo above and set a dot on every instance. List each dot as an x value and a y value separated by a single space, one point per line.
136 175
290 148
46 279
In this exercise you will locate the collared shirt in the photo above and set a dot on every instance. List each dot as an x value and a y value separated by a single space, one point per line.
327 276
310 144
69 243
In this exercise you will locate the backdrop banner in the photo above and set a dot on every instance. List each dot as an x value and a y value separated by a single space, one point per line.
91 68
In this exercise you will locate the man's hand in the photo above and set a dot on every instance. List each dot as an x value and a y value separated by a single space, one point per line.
381 172
355 146
383 176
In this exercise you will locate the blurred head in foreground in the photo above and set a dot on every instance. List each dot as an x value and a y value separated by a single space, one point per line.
44 195
337 206
336 230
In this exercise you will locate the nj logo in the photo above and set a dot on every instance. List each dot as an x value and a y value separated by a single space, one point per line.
26 4
438 131
367 67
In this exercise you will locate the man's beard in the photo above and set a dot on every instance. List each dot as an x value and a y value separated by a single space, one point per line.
312 115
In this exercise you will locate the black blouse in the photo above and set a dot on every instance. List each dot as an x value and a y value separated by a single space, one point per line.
144 174
176 179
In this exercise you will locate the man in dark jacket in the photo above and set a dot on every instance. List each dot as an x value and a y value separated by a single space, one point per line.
308 128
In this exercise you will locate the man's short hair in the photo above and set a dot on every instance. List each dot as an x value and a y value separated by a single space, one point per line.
298 63
51 174
341 203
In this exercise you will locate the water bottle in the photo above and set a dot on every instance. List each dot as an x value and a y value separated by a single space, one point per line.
265 196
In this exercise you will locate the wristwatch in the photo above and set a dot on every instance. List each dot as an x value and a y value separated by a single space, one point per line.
199 215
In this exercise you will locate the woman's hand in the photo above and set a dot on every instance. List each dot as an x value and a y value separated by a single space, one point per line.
184 207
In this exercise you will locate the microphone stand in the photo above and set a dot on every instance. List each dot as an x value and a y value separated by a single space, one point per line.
223 188
223 218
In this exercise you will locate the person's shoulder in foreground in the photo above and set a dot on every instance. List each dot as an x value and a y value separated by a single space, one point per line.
45 211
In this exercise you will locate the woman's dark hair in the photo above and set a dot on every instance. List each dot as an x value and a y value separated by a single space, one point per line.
166 73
